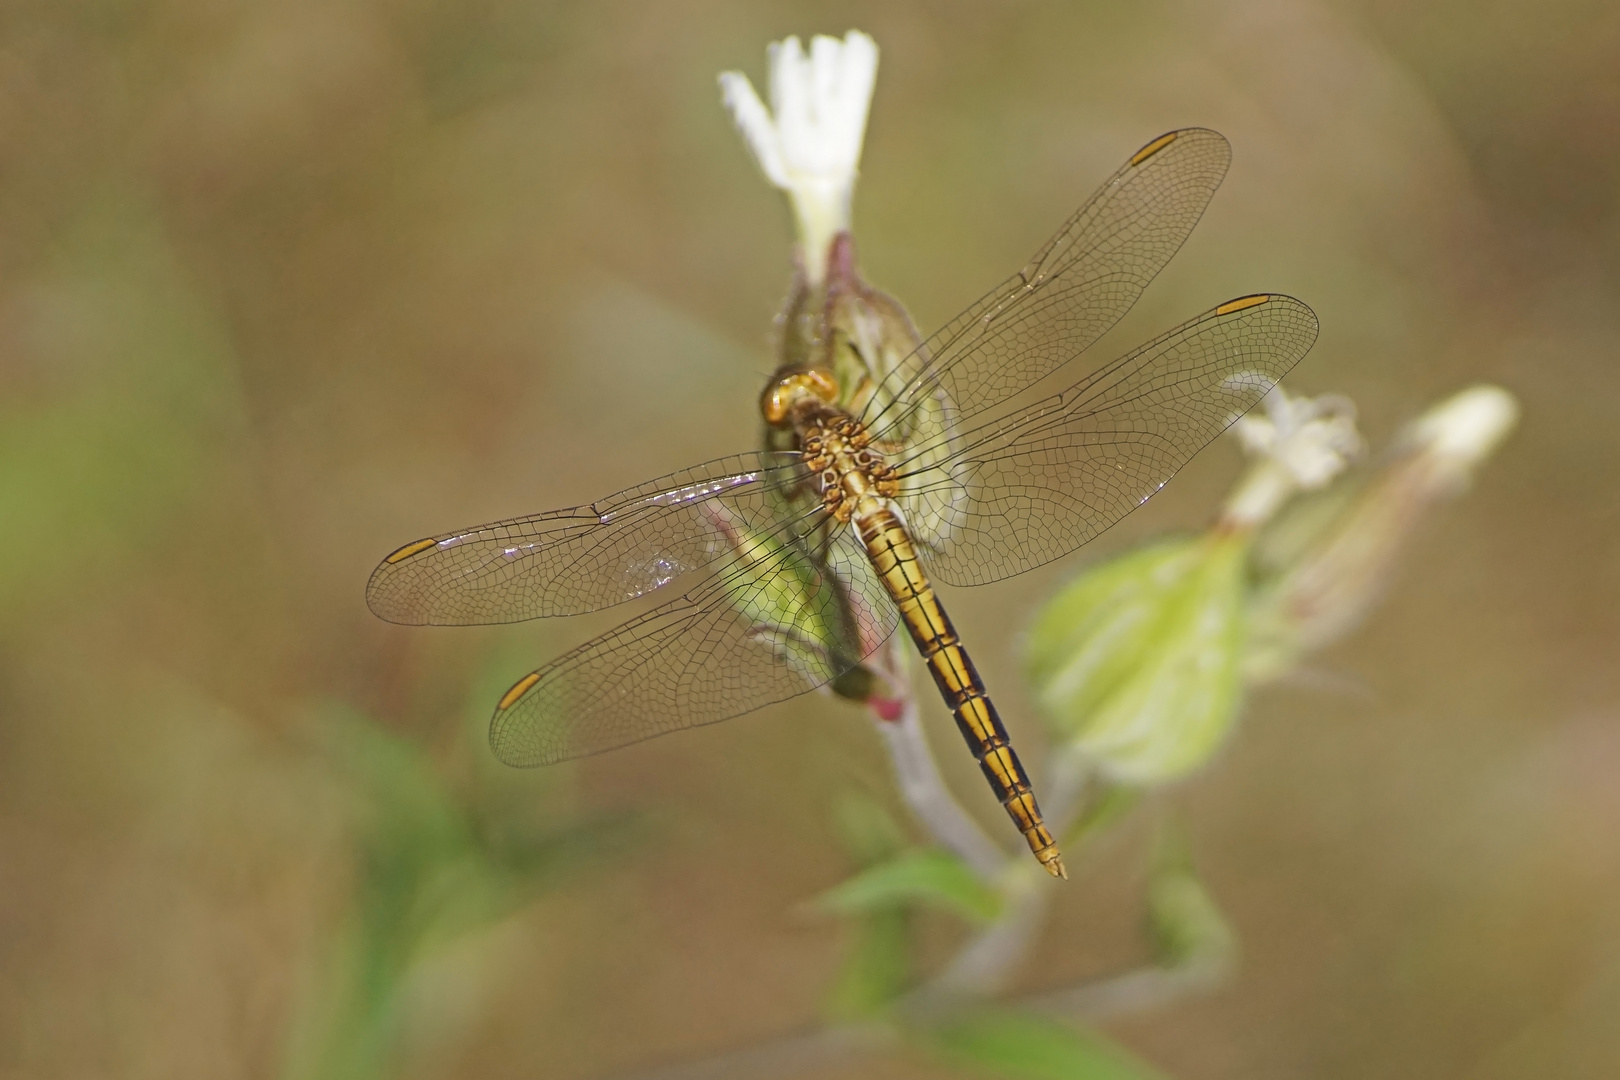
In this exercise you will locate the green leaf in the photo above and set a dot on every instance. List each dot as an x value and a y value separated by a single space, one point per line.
1026 1046
434 865
868 830
1087 639
1184 922
438 863
877 966
1110 803
407 809
935 879
876 969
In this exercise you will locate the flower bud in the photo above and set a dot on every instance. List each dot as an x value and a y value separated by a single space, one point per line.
1329 563
806 617
1136 662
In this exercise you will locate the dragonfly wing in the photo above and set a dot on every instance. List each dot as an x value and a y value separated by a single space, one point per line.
581 558
771 625
1072 291
1023 489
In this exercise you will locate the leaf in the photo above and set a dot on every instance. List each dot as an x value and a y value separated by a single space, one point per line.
408 812
1106 806
434 865
1087 639
931 878
1184 922
1026 1046
868 830
877 968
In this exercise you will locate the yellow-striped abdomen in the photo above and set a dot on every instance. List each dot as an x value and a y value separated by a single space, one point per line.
895 559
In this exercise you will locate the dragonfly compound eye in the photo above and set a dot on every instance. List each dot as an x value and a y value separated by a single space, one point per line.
997 488
787 392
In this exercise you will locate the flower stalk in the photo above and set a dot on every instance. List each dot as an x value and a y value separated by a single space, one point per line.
808 143
1139 665
1327 584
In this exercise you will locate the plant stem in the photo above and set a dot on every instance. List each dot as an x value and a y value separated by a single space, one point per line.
1132 991
982 967
986 963
898 720
787 1056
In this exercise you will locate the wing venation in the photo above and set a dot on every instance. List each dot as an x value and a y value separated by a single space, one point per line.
758 632
1071 292
580 558
1024 488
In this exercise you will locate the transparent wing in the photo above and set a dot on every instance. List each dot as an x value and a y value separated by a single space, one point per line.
583 557
766 629
1025 488
1073 290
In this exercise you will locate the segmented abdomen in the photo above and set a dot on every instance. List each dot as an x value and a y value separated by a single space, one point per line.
889 547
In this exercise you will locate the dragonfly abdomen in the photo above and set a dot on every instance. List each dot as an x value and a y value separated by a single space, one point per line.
889 547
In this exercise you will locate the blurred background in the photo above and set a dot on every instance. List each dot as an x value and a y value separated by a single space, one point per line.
284 286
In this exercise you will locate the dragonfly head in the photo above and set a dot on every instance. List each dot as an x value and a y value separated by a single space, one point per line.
788 391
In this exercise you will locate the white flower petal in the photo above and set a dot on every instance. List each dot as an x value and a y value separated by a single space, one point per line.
753 120
1301 444
809 141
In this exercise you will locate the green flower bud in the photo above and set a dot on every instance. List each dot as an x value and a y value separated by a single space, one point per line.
1136 663
806 615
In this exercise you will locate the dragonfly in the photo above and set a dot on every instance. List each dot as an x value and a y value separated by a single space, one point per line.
805 560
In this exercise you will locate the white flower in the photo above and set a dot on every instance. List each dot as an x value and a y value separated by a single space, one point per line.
809 142
1302 444
1329 585
1313 438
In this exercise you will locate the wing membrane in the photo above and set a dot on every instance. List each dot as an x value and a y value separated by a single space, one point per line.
1026 488
1072 291
710 655
580 558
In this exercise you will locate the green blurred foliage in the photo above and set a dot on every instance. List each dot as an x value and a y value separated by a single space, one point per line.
929 879
101 469
877 963
877 966
1184 923
1105 805
433 866
282 285
1026 1046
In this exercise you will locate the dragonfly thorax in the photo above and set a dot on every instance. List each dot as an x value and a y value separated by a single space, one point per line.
852 473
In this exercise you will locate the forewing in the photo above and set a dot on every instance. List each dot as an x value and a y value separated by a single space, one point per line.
1072 291
580 558
767 628
1024 489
